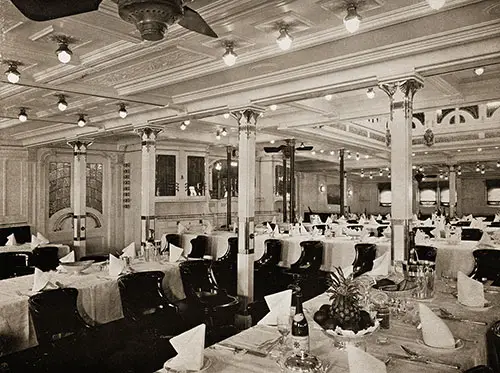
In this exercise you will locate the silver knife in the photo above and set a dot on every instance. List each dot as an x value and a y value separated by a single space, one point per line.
241 349
463 320
424 360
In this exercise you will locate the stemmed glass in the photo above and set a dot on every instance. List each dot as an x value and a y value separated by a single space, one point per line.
284 323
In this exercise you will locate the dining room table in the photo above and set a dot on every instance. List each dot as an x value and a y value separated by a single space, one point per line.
243 352
98 298
62 249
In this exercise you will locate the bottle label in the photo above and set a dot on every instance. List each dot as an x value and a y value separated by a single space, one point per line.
300 343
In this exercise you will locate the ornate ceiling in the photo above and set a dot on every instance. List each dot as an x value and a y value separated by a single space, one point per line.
183 77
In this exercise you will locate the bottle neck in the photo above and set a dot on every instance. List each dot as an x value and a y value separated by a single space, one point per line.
298 307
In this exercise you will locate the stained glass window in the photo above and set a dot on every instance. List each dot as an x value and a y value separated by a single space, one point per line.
94 186
59 186
166 183
196 176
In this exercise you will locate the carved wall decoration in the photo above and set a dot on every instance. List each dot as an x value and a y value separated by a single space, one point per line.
429 137
94 186
59 186
126 185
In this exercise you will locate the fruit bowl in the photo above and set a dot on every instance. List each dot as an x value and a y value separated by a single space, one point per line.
76 267
343 338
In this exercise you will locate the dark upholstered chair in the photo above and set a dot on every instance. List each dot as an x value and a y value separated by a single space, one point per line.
352 221
174 239
471 234
493 346
480 369
199 247
22 234
486 265
310 260
495 224
363 261
257 310
426 230
15 263
202 291
356 227
146 306
271 256
45 258
96 258
427 253
225 267
267 274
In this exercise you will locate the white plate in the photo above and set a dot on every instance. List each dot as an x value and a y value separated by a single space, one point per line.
207 363
458 345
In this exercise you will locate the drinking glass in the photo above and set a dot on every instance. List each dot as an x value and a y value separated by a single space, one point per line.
284 323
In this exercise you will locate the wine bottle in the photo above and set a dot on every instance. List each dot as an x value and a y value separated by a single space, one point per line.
300 328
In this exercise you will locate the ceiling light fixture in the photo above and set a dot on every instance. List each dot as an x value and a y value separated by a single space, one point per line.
477 168
479 71
63 52
23 116
436 4
272 141
421 169
479 149
498 164
234 163
370 93
413 167
224 132
187 122
352 19
389 175
328 97
183 127
284 40
226 115
371 176
482 170
123 111
322 151
459 170
62 104
381 173
229 56
273 107
217 135
362 173
13 75
313 152
357 156
218 166
81 120
367 156
332 152
349 154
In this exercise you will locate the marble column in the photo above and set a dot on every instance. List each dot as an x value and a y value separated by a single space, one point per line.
79 203
452 180
342 181
247 125
293 191
285 190
401 92
148 180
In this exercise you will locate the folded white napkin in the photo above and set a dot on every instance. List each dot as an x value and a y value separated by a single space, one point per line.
338 230
315 232
387 232
469 217
365 235
300 220
175 253
35 242
363 216
129 251
388 216
181 228
208 229
278 304
436 232
328 221
496 219
434 330
362 362
415 218
342 219
348 270
273 221
362 220
41 281
276 230
302 229
373 220
381 265
42 239
234 227
11 240
379 217
269 230
69 258
470 291
163 242
190 347
116 266
427 222
486 240
420 236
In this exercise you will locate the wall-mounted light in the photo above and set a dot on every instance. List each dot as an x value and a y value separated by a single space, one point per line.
234 163
349 154
332 152
322 188
224 132
229 56
123 111
352 19
477 168
479 71
284 39
357 156
63 52
483 170
13 75
81 120
371 176
218 166
362 173
23 116
272 141
370 93
436 4
61 103
380 173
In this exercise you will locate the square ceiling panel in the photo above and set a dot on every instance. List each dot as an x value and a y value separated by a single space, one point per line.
238 42
293 21
339 7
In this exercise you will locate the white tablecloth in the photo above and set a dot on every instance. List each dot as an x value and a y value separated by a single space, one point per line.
26 247
98 299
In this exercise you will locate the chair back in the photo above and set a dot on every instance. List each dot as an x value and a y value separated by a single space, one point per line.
142 294
199 246
352 221
197 277
356 227
321 227
365 255
55 314
311 256
174 239
257 310
231 255
45 258
272 254
471 234
495 224
15 263
381 229
462 224
480 369
493 346
486 265
427 253
426 230
95 258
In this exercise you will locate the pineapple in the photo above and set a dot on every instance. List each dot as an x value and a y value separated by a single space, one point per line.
345 295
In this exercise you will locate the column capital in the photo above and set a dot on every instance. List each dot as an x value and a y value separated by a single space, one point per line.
148 132
80 146
407 84
247 118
